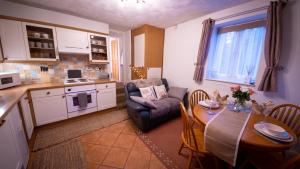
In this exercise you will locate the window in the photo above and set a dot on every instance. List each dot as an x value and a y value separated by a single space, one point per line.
235 53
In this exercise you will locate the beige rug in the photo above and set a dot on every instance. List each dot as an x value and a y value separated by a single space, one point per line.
51 135
68 155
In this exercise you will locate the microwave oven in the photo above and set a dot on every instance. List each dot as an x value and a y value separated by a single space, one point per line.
9 79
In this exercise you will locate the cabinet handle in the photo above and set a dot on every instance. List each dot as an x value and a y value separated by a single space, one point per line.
73 47
48 93
87 47
106 86
63 96
2 122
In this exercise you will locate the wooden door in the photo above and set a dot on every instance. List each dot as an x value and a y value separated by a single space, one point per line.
115 59
12 40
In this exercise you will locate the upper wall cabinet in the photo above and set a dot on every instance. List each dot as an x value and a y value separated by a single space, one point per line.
40 42
12 40
72 41
147 44
99 48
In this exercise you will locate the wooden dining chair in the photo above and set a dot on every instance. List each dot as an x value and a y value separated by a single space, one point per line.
289 114
196 96
192 138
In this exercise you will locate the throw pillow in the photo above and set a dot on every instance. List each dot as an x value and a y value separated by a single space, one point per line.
143 101
177 92
148 93
160 92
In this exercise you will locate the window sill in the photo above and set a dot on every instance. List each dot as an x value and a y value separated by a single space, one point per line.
230 82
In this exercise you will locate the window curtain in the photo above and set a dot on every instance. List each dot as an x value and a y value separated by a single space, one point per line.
203 49
236 54
272 47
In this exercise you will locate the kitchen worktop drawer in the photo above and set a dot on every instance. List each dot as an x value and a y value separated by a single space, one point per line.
106 86
47 92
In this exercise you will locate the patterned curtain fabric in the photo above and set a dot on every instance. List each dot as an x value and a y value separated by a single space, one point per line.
203 49
272 47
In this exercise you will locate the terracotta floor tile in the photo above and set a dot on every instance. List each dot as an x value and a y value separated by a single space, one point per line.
125 141
116 157
107 138
96 154
91 137
129 130
138 160
92 166
139 145
116 128
106 167
155 163
87 146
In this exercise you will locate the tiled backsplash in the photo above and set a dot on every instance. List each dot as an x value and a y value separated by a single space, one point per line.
56 72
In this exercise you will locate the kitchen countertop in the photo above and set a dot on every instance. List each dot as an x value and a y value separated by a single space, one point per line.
11 96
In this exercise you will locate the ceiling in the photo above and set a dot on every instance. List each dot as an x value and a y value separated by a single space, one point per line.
160 13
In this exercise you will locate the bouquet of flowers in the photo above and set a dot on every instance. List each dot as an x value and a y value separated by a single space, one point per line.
241 95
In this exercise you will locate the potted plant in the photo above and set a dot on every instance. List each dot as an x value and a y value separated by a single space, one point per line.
241 96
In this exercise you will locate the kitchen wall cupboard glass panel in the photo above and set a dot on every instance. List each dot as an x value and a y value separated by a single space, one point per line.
139 50
27 115
14 151
72 41
12 40
40 41
49 109
99 48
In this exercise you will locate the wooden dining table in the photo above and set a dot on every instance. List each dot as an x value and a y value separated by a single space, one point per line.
250 139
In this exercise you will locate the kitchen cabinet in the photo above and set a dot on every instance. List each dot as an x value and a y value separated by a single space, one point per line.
99 48
27 115
49 105
72 41
40 42
106 96
12 40
14 152
147 44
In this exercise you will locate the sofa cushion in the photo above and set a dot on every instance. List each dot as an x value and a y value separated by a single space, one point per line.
148 93
177 92
140 83
143 101
160 92
164 106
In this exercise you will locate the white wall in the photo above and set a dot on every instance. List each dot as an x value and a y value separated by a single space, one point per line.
182 42
27 12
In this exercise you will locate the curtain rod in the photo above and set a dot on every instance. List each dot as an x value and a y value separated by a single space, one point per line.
242 13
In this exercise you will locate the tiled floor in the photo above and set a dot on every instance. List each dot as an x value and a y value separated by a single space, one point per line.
118 146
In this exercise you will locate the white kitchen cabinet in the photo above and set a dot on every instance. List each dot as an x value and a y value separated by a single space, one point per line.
14 152
99 48
12 40
27 115
49 105
106 96
72 41
40 42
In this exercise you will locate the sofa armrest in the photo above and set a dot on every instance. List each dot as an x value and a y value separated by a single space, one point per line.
136 106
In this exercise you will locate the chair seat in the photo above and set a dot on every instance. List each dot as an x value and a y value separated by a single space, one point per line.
265 160
199 141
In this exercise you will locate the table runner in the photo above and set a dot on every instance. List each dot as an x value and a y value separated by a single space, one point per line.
223 133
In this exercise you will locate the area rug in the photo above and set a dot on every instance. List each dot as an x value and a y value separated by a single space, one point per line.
63 156
165 140
51 135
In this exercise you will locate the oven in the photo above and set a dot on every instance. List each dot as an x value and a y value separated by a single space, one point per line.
72 97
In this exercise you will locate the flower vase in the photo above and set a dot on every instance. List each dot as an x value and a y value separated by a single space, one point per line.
239 105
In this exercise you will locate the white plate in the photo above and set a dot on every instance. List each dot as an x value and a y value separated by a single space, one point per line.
260 127
207 104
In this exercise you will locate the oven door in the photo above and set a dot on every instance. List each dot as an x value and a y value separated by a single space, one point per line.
73 103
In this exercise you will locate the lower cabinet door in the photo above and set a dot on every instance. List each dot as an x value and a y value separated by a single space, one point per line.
106 98
14 152
27 115
50 109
